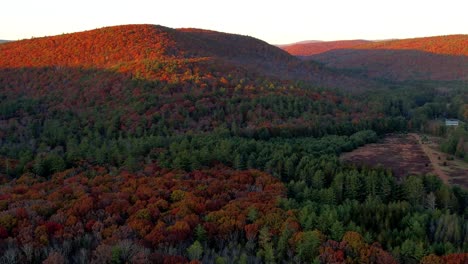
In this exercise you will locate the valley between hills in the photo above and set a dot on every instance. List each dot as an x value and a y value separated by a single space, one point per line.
148 144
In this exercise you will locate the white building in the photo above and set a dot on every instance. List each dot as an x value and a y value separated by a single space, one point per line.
452 122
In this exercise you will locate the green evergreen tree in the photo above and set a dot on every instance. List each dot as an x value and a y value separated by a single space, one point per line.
116 252
131 163
283 242
200 233
195 251
413 188
337 231
239 162
318 180
307 248
266 246
57 163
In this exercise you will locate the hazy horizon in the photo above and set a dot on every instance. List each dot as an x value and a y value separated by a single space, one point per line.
273 22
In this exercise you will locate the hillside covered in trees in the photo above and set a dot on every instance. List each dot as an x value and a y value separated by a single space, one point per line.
157 52
146 144
442 58
456 45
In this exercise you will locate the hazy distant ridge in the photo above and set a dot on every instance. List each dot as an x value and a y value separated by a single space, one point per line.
308 48
430 58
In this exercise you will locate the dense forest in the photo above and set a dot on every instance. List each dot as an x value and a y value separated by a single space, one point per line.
144 144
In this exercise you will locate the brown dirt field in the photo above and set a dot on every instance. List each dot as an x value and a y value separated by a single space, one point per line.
407 154
433 157
401 153
451 170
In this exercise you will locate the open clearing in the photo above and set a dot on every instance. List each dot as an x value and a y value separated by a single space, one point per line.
451 169
406 154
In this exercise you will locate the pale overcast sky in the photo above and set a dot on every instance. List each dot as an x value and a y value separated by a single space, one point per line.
277 22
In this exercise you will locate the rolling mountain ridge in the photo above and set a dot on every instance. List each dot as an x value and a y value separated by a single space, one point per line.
456 45
440 58
397 65
108 47
146 71
144 49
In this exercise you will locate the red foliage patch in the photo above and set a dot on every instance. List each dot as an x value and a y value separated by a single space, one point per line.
3 232
158 209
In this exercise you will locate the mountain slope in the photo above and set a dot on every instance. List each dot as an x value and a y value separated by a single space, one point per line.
101 48
436 58
161 53
456 45
153 74
113 46
312 48
223 45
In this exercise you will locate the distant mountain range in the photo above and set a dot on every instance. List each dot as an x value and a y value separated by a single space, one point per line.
307 48
456 45
297 43
3 41
430 58
347 64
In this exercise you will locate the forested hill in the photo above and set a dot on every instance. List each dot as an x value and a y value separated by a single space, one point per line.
146 79
160 53
456 45
108 47
432 58
145 144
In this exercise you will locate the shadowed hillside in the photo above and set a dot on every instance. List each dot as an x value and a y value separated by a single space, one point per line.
397 65
432 58
448 45
199 43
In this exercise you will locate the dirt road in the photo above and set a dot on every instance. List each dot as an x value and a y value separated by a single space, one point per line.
433 158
